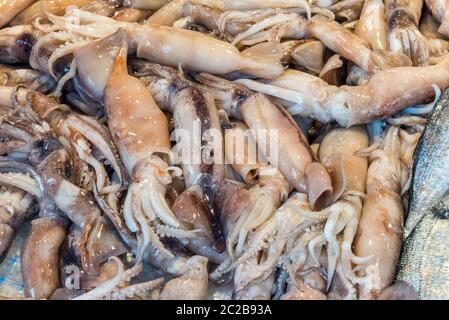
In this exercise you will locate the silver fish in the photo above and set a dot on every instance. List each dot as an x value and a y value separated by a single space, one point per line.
424 263
430 180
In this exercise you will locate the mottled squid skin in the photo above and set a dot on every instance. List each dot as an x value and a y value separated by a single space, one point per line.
95 63
154 42
40 257
440 11
295 158
303 292
20 188
350 46
352 105
173 10
190 286
16 44
308 53
34 11
12 216
371 25
380 229
9 9
196 128
145 4
120 97
47 155
404 35
337 153
144 151
191 207
209 17
349 10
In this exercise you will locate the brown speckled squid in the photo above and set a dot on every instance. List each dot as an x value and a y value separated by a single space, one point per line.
440 11
348 171
192 285
90 146
295 159
45 152
119 287
19 189
352 47
9 9
163 44
351 105
198 132
172 11
371 25
307 265
40 256
268 190
403 32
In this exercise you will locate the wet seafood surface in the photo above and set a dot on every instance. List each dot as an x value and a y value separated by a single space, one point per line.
218 149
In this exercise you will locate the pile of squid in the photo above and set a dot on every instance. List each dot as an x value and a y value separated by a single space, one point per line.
92 97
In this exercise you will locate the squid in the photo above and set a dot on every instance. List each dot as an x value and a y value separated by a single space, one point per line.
172 11
37 10
198 137
45 152
294 157
349 10
32 79
436 42
9 9
351 105
381 223
16 44
337 152
302 292
192 285
439 10
84 138
131 15
307 53
40 256
143 150
153 42
268 190
119 287
20 188
404 35
304 257
265 250
371 25
257 26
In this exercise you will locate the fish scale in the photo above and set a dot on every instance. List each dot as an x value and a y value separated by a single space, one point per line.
430 181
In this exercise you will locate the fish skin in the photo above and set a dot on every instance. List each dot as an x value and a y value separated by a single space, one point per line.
424 262
430 179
